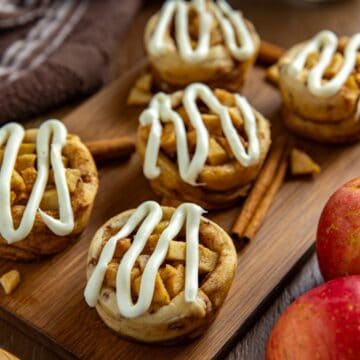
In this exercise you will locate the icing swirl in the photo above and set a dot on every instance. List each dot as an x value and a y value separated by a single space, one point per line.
327 42
51 132
231 23
148 214
160 110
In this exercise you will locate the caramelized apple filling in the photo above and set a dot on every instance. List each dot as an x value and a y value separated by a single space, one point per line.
216 35
352 82
170 279
25 173
219 149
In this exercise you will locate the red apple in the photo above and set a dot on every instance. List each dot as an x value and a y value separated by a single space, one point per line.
338 235
323 324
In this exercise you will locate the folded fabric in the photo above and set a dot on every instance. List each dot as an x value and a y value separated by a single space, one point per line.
52 51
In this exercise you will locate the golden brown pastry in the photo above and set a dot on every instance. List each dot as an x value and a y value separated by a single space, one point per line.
320 86
159 274
202 146
200 41
48 182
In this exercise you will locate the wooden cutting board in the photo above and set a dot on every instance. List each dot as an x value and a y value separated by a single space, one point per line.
49 304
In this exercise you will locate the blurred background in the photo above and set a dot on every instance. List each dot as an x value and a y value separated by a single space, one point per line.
283 22
53 52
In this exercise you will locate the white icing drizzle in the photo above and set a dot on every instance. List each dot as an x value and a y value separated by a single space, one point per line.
149 214
160 110
53 133
231 20
231 23
326 42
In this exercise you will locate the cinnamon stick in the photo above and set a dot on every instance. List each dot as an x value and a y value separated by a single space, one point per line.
266 202
111 149
262 184
269 53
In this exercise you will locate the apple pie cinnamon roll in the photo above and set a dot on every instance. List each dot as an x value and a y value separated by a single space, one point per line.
159 274
320 85
200 41
48 182
202 146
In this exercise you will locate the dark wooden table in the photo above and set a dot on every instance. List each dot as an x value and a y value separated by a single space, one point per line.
281 22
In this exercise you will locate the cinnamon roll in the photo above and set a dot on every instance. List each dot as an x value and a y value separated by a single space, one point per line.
159 274
48 182
200 41
202 146
320 86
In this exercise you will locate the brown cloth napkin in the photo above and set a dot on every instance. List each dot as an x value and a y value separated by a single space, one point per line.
52 51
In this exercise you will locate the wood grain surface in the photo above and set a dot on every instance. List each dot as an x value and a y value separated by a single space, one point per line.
286 233
50 298
252 346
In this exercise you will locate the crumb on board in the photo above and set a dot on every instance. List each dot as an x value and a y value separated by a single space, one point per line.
302 164
272 74
140 94
10 281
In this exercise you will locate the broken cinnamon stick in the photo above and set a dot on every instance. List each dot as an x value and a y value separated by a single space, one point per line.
262 185
269 53
111 149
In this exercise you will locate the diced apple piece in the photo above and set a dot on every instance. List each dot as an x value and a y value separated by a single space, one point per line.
225 97
217 155
17 182
72 178
207 257
167 272
161 296
160 227
141 261
168 139
334 66
122 246
191 140
312 59
50 200
29 175
25 161
183 114
212 123
351 83
176 283
236 118
27 148
111 271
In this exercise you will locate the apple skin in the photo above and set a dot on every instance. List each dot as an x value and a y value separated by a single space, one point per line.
323 324
338 234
